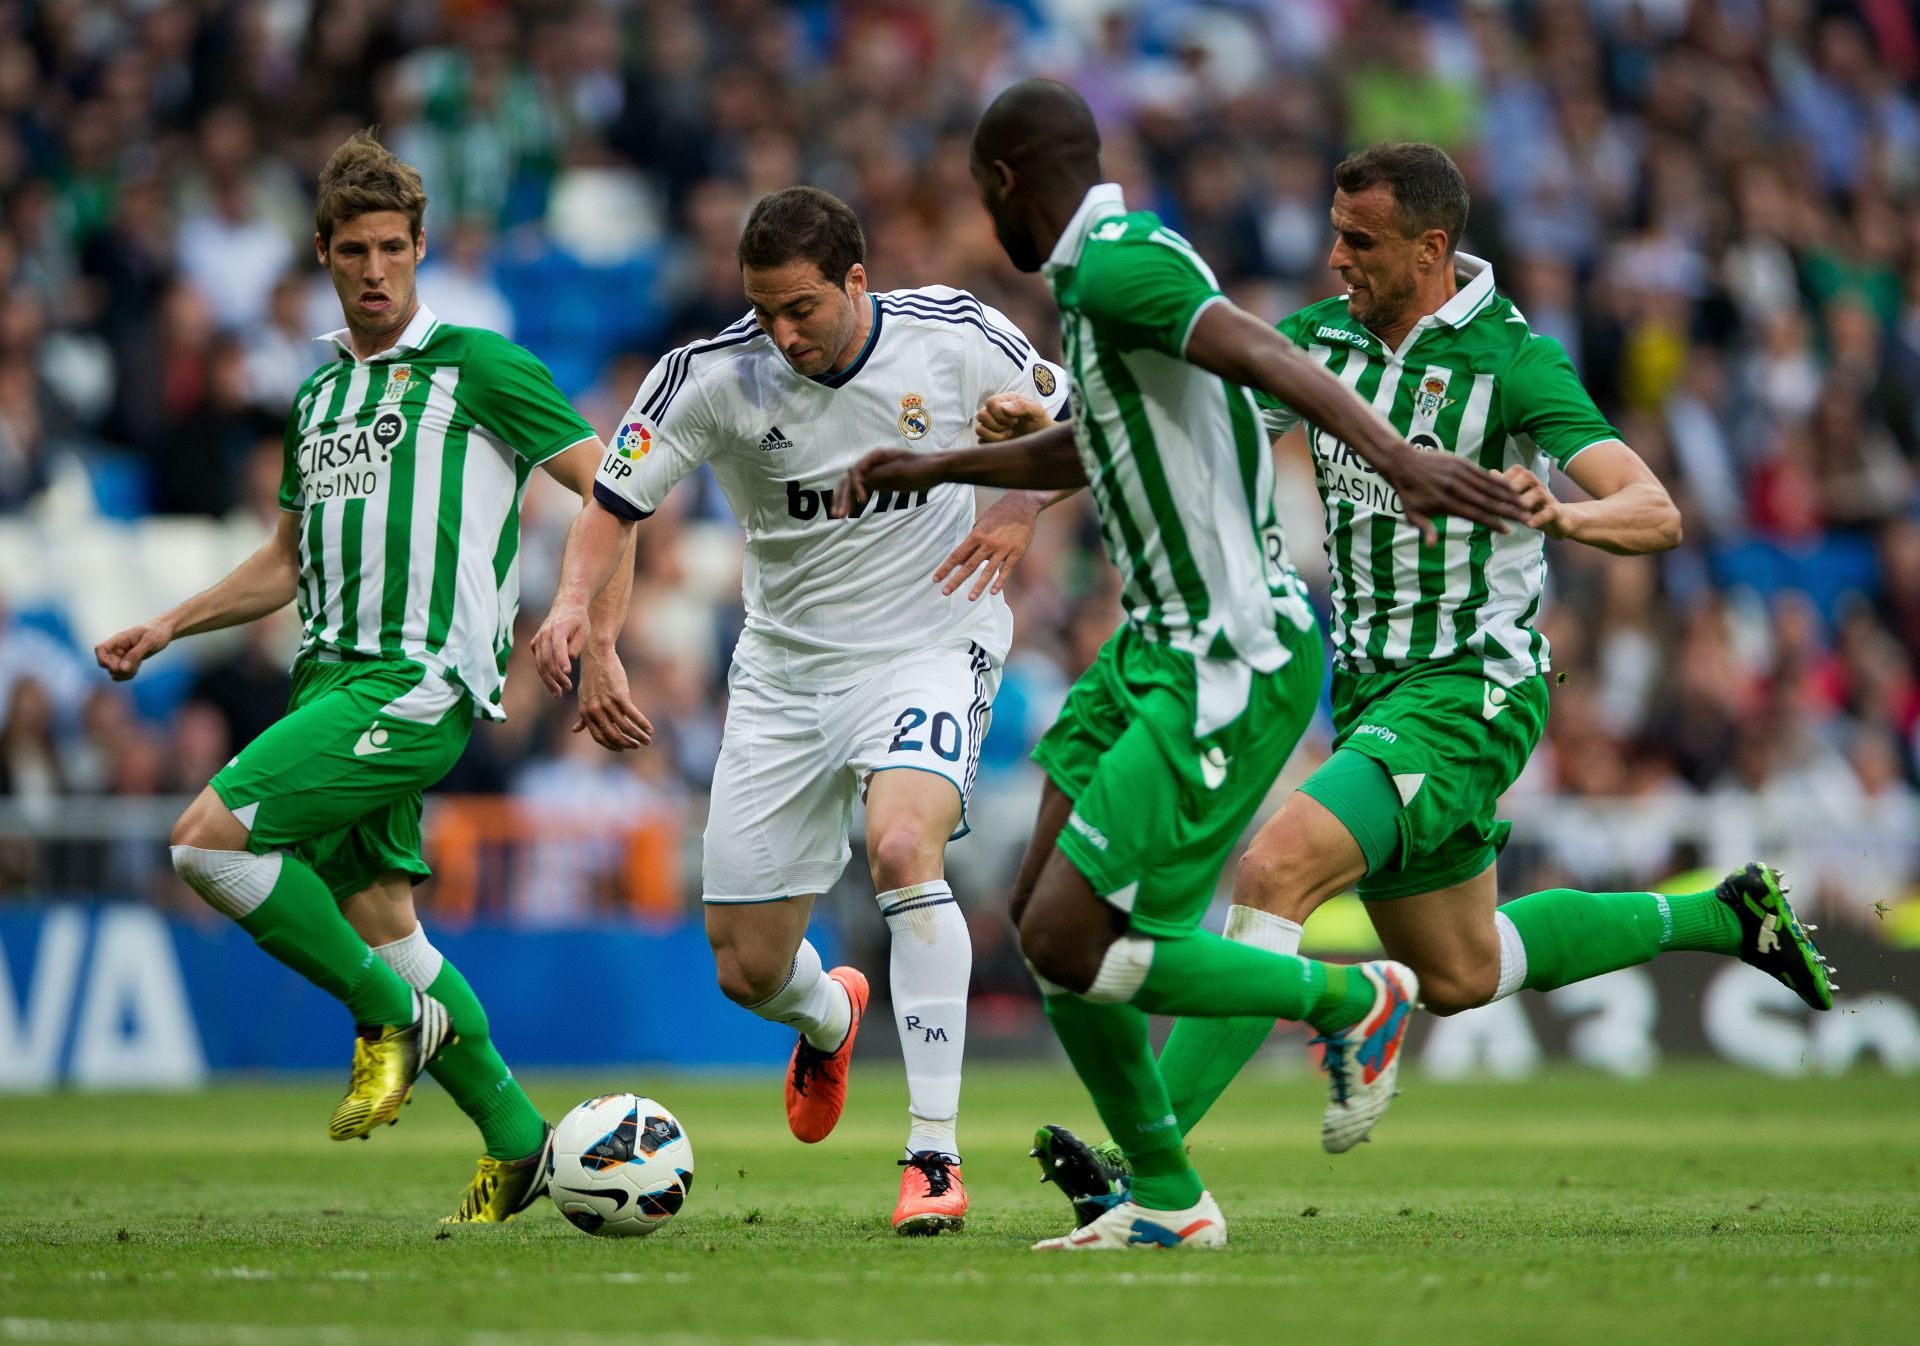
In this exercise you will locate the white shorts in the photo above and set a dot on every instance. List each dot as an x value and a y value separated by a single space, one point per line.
792 763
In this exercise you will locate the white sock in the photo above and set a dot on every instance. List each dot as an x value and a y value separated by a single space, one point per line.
1262 929
811 1001
415 961
931 965
1513 958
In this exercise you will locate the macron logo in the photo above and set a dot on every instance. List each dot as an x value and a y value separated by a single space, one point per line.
1340 334
773 440
372 742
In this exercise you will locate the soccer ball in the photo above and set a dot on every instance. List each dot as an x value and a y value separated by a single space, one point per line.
621 1165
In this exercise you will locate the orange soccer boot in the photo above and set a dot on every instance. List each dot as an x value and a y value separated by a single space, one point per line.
933 1200
817 1080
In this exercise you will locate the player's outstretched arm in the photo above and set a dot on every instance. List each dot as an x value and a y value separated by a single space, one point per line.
1047 461
1629 514
265 582
607 710
1234 344
595 543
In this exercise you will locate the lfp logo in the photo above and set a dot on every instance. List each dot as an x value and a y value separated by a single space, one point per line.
633 441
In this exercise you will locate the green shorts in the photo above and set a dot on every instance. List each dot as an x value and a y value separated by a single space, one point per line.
1452 742
338 781
1166 757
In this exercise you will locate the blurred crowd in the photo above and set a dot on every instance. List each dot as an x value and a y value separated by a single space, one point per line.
1714 204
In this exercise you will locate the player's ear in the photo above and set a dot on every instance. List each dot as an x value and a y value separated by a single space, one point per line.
420 246
320 249
856 282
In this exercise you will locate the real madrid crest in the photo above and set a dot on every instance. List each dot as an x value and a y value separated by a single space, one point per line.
1043 380
914 420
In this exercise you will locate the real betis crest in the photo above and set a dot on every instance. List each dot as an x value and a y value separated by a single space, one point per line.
399 379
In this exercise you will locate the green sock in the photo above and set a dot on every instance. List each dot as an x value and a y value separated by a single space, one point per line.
1201 1059
300 924
1570 936
1108 1047
475 1077
1209 977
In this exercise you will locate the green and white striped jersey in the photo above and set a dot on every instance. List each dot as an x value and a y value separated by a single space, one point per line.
1175 456
408 471
1470 379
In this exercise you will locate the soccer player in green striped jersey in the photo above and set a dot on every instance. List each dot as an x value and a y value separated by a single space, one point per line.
1169 742
407 456
1439 686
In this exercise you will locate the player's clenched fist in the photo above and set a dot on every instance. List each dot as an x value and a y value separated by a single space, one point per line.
1007 416
122 654
1543 511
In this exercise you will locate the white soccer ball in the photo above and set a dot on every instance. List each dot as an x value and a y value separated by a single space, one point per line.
621 1165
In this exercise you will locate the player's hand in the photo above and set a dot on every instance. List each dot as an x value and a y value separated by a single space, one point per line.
882 470
607 711
1438 483
1544 512
1007 416
998 540
560 637
122 654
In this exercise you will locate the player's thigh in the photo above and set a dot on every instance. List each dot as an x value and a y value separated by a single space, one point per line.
358 738
924 716
382 911
1448 938
781 803
1055 805
754 944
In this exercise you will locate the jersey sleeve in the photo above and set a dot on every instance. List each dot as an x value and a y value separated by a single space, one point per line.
1026 373
1142 292
513 397
667 432
1544 399
1275 414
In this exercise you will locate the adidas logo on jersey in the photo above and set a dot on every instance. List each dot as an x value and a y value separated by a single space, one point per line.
773 440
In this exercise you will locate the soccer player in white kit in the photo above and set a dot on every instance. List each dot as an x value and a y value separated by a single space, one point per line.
854 673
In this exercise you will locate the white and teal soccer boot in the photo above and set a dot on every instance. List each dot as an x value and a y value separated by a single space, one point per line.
1129 1226
1363 1061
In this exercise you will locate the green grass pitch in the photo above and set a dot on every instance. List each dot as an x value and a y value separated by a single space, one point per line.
1697 1206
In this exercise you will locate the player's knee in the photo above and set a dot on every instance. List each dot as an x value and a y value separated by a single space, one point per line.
1059 952
901 856
1275 877
1449 990
748 975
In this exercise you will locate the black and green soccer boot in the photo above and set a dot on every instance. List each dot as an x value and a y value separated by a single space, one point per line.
1094 1177
1772 938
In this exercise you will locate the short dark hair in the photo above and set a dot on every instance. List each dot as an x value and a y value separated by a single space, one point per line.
803 224
1427 185
361 177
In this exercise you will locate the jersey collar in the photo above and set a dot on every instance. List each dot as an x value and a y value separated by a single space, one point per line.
1457 312
1100 202
412 339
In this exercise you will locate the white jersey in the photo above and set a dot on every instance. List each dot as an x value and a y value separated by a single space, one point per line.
827 599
